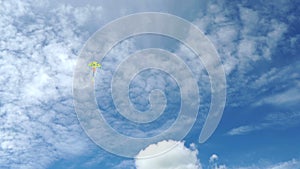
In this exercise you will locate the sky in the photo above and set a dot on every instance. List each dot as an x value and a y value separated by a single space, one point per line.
258 45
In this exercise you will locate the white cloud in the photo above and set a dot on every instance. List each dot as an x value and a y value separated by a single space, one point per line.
288 97
39 43
262 38
292 164
286 91
37 55
37 122
247 39
241 39
214 164
282 120
242 130
213 158
180 157
127 164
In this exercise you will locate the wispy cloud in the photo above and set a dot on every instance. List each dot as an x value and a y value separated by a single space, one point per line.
280 120
288 98
291 164
243 130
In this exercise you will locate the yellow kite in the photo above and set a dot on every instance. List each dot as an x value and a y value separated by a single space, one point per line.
94 66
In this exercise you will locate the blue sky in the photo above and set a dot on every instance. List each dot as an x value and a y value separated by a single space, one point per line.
257 41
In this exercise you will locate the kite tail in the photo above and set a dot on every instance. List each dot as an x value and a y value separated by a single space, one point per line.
93 77
94 72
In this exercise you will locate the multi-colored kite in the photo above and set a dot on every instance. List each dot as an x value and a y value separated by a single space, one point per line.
94 66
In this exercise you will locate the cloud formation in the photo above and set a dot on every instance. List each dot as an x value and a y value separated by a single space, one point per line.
247 39
180 157
291 164
214 164
281 120
38 50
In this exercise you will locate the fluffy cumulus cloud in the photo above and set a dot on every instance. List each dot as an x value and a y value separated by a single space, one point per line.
180 157
214 164
213 158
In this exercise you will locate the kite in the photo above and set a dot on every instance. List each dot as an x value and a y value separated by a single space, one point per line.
94 66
